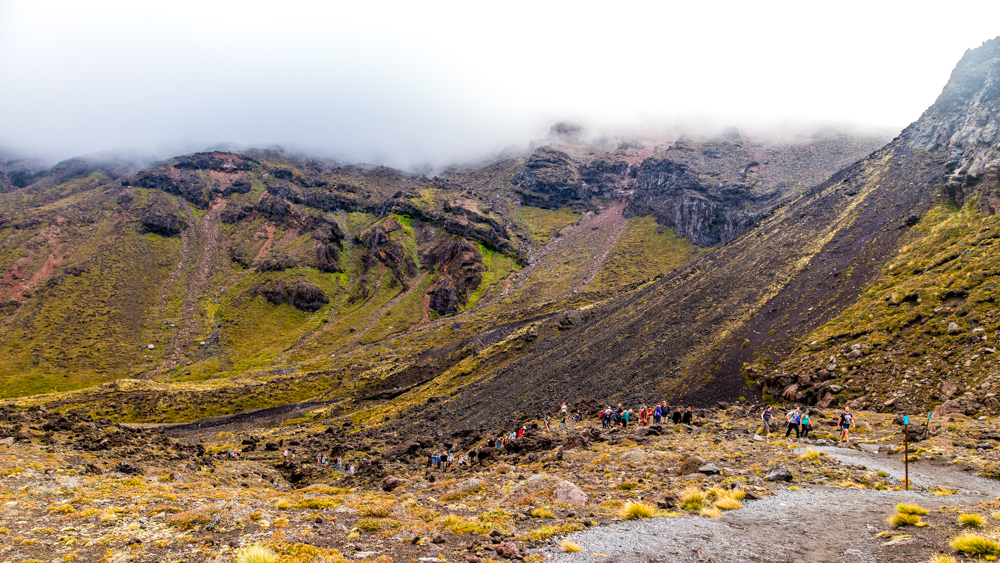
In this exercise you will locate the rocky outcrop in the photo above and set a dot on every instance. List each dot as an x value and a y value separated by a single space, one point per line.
303 294
460 270
162 217
550 179
965 120
380 247
703 191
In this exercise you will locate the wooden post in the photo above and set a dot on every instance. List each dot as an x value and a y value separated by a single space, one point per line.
906 454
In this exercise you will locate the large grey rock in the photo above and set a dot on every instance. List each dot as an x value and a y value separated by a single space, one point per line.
779 474
565 492
709 469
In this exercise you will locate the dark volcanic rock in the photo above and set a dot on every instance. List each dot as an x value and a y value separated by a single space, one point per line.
162 217
303 294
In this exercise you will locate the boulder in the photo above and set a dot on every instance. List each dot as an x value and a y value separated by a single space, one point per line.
779 474
709 469
690 465
948 389
954 327
565 492
508 550
390 483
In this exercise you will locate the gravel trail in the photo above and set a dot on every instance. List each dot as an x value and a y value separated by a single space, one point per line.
821 524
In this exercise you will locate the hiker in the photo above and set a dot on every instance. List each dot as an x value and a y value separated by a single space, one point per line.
676 418
804 422
534 425
642 415
658 413
545 423
766 417
284 456
626 417
563 425
793 417
564 409
845 423
687 416
606 418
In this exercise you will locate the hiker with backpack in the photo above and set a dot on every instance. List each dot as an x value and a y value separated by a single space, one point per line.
845 423
766 417
657 413
688 416
676 418
793 417
804 423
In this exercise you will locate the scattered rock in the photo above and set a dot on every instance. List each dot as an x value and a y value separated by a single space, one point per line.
390 483
709 469
508 550
779 474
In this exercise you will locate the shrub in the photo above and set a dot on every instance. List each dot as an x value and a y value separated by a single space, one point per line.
636 510
971 520
283 504
627 486
256 553
543 513
911 509
570 546
972 544
692 499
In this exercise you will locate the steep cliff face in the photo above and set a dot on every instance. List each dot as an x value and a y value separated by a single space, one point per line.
965 120
707 192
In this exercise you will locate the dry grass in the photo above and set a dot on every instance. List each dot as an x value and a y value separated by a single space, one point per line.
942 559
727 503
543 513
911 509
971 520
693 499
567 546
900 519
636 510
256 553
711 512
976 545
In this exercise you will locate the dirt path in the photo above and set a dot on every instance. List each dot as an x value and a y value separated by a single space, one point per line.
924 473
816 525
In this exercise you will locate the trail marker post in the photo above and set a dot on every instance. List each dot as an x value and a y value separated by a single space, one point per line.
906 452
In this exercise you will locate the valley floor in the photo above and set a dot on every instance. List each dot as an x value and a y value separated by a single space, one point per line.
73 489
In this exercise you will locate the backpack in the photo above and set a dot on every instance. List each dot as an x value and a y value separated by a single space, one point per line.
766 415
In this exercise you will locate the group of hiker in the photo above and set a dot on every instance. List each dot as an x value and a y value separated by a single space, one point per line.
799 421
644 416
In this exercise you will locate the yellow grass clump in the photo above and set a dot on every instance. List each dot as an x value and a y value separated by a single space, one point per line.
973 544
971 520
728 503
256 553
636 510
900 519
711 512
692 499
543 513
911 509
809 455
568 546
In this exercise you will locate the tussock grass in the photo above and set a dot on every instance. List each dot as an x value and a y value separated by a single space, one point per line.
377 524
693 499
711 512
546 532
971 520
900 519
543 513
938 558
283 504
379 508
728 503
974 544
567 546
256 553
809 455
636 510
911 509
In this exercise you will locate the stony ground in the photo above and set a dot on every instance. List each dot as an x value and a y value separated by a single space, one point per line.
77 489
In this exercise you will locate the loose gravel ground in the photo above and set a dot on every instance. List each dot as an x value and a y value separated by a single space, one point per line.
816 525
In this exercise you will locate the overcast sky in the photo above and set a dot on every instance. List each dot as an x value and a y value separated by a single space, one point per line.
412 82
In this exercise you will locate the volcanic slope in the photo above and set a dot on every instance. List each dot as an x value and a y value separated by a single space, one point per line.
217 282
687 336
924 334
